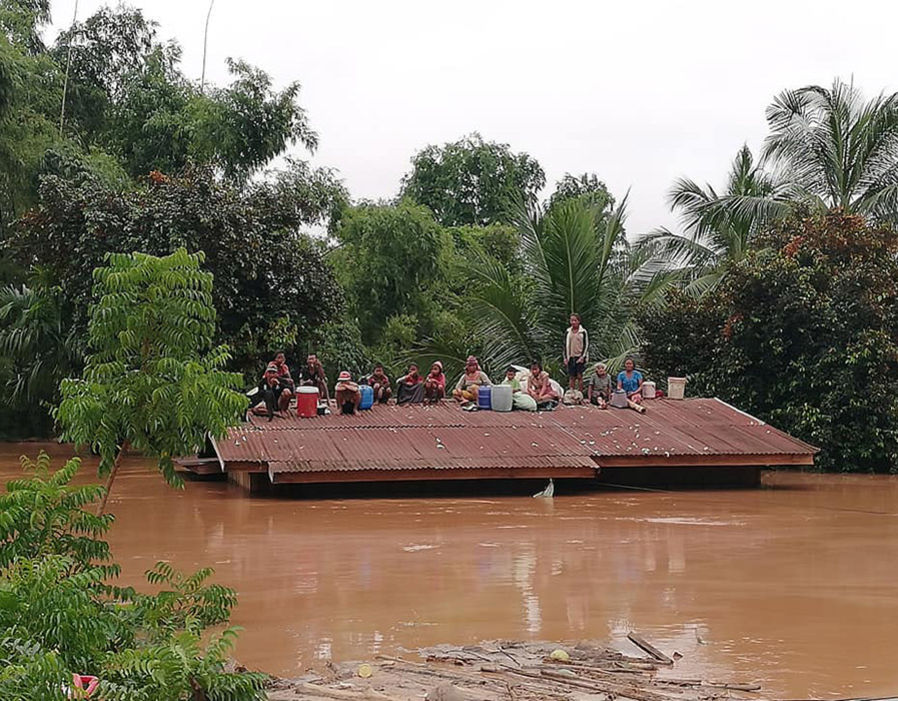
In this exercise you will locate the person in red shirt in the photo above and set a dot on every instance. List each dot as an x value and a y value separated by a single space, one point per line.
435 384
410 387
380 383
280 361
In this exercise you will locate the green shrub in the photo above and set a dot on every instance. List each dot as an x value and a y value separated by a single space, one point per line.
803 333
60 614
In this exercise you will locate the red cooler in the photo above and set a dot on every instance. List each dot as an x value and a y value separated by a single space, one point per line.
307 402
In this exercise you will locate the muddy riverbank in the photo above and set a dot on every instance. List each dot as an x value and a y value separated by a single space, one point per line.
791 586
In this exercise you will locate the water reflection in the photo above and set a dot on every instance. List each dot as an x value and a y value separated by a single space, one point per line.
758 585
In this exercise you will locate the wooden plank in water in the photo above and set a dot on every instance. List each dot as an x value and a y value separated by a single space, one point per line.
645 645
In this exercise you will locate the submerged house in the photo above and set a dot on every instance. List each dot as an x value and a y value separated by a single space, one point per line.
692 442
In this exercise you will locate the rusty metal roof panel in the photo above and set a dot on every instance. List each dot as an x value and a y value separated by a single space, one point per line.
443 436
557 462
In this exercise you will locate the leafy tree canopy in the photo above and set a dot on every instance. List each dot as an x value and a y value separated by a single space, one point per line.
271 285
802 332
587 187
390 260
472 181
127 92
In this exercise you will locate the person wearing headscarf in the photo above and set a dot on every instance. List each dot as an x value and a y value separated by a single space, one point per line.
380 383
347 394
410 387
435 384
470 382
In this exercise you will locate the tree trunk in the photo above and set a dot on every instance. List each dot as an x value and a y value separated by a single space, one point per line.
109 480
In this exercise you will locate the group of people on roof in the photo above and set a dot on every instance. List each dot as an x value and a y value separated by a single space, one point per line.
532 389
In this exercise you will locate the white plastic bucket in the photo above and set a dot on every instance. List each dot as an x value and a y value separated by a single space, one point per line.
619 399
648 390
502 398
676 387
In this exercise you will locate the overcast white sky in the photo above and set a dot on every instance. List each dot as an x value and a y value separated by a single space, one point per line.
637 92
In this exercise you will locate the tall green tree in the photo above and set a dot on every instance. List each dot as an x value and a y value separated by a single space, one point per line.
153 381
390 260
272 286
127 92
585 186
713 233
839 151
472 181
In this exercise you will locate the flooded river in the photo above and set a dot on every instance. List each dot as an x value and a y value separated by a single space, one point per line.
794 585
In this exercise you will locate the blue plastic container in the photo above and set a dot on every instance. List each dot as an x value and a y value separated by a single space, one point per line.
367 397
485 398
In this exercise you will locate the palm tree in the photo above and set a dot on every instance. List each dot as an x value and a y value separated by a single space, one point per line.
576 259
837 150
717 227
38 341
829 149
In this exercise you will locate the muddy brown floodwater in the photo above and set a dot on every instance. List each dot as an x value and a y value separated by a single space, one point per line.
794 585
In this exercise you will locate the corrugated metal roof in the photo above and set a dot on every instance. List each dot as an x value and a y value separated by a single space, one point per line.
444 437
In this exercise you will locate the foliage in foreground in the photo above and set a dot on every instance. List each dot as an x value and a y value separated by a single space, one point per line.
803 333
59 613
153 381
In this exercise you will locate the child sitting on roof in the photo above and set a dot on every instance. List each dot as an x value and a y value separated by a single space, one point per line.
435 384
380 383
519 398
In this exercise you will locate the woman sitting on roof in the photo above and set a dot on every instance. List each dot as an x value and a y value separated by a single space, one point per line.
410 387
380 383
520 399
630 380
598 387
435 384
470 382
539 386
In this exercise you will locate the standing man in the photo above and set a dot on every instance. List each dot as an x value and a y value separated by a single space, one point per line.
312 375
576 352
